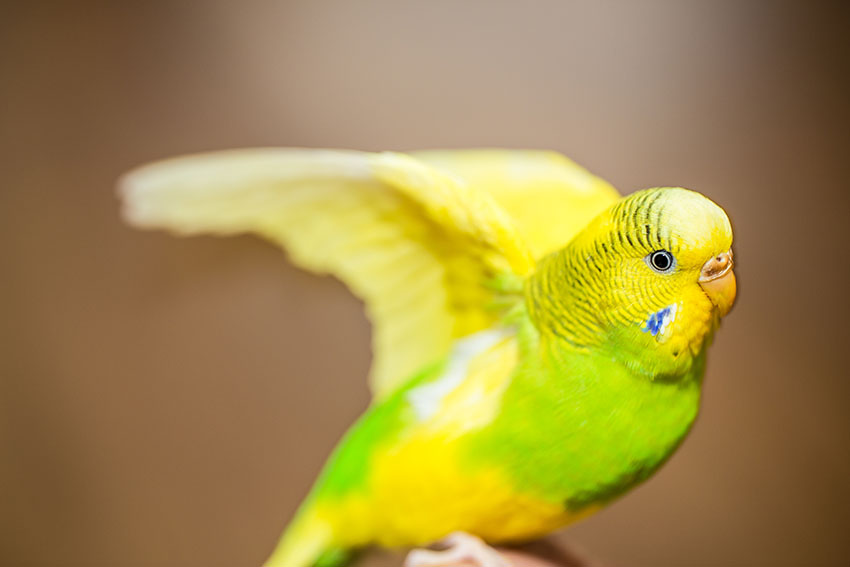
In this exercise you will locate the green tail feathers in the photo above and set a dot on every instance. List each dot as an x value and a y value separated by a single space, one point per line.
308 542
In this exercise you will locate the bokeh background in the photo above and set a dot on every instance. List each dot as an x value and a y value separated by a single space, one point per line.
168 401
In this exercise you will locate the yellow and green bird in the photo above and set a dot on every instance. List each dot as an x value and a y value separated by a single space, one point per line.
539 342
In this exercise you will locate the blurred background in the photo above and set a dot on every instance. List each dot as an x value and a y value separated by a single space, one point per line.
168 401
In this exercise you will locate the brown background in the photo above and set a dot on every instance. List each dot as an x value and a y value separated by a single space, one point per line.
168 401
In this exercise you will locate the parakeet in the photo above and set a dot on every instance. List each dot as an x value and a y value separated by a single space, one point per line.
539 342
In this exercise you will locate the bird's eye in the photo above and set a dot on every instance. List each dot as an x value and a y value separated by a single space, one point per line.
661 261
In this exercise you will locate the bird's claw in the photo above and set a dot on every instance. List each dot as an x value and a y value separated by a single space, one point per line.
459 547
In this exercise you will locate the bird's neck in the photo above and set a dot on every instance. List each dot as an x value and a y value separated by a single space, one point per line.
571 304
560 302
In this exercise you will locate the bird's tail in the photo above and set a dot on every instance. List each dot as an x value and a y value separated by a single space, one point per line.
308 542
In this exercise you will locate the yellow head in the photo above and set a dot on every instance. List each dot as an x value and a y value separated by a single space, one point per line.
649 279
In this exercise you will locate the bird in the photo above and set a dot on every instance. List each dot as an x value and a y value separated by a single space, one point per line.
539 341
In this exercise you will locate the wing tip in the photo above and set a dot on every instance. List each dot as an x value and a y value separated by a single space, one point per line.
130 190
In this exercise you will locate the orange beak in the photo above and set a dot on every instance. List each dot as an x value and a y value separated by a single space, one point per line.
718 281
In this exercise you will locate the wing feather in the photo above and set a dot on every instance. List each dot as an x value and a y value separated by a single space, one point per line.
416 244
549 197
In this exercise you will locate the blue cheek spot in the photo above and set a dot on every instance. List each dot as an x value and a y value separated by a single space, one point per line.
656 321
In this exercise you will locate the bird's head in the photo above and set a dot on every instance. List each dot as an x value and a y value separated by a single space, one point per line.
648 280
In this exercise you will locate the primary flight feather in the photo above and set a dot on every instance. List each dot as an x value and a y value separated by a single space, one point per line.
539 342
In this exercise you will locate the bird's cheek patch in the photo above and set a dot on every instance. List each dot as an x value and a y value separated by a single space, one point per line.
658 323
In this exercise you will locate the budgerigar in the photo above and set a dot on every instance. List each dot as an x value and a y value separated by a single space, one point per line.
539 342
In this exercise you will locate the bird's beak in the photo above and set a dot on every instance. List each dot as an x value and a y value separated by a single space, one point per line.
718 281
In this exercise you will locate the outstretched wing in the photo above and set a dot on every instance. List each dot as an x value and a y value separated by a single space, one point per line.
419 245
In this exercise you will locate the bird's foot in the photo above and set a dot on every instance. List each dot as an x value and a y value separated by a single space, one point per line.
459 547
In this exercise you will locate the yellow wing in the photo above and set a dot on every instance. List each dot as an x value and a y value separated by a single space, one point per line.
419 239
416 245
549 197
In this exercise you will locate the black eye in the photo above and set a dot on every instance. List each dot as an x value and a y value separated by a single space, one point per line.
661 261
